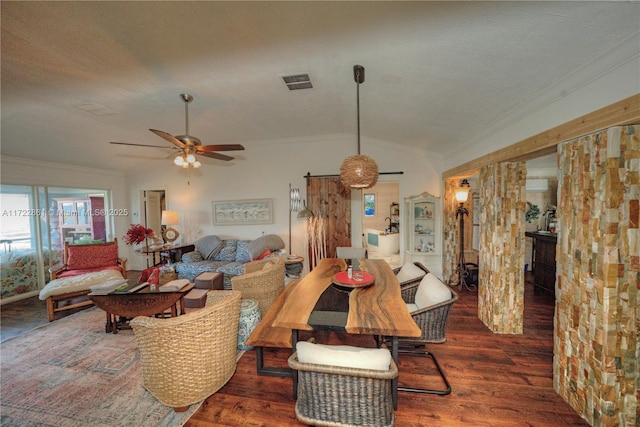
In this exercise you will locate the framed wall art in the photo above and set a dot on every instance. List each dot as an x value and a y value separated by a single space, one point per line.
241 212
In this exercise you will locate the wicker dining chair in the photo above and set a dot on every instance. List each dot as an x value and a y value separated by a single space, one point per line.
330 395
418 272
432 320
188 358
262 280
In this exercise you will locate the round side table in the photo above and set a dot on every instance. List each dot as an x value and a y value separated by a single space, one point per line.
293 266
249 319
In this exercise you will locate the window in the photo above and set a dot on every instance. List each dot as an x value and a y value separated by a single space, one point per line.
369 205
17 210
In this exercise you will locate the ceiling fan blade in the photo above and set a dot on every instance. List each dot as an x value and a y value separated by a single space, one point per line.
220 147
138 145
172 139
216 155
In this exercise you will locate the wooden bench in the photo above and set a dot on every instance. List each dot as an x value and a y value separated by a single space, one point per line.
265 335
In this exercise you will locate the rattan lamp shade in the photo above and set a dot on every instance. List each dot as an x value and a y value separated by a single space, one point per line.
359 172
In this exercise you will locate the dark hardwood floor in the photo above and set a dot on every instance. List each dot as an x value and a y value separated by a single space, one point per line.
497 380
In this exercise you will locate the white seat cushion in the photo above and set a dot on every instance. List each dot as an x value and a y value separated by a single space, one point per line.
431 291
409 271
344 355
82 282
412 307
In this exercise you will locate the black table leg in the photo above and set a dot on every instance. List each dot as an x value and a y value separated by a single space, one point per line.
294 341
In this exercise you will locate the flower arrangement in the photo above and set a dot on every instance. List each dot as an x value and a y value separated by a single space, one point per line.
137 233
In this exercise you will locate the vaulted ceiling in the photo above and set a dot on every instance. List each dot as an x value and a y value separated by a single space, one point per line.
77 75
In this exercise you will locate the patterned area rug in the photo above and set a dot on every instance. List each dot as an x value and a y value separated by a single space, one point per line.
71 373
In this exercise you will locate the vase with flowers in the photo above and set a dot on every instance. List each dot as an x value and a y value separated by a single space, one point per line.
138 233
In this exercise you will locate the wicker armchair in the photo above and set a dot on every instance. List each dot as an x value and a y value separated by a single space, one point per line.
186 359
432 320
263 281
343 396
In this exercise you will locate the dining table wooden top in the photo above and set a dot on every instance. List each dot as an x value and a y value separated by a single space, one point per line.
377 309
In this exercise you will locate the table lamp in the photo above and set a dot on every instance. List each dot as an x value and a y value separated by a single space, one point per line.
170 234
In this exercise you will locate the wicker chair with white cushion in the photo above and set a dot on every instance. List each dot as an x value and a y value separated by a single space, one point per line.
429 301
186 359
262 281
410 272
343 385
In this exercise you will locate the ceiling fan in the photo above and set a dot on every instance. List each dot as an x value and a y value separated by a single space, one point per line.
190 145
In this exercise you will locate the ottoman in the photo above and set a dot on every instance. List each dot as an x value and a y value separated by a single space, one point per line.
209 280
196 298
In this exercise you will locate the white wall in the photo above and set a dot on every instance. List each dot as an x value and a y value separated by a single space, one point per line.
264 170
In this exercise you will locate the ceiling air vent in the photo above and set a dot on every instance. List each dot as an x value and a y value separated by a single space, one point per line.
298 81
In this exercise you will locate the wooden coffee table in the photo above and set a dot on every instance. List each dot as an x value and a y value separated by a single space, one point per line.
142 302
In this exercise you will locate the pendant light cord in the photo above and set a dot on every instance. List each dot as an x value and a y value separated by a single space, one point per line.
358 105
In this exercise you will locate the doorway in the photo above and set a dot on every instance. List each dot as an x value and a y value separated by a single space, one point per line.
381 223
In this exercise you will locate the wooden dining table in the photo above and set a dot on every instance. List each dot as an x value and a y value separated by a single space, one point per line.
377 309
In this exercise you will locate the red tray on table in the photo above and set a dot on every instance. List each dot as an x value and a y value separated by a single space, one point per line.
342 279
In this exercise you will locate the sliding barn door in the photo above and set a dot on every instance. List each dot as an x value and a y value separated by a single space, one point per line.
330 202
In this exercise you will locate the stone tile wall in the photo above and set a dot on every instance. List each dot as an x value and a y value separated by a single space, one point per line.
450 241
501 275
598 277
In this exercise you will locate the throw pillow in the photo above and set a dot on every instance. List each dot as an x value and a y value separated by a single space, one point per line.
263 255
344 355
193 256
431 291
410 271
227 252
270 242
242 252
208 246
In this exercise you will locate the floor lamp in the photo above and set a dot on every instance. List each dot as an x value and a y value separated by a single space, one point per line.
294 206
462 194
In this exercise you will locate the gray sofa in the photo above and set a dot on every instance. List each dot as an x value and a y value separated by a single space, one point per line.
225 256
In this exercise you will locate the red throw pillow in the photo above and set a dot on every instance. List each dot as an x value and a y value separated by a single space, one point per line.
263 255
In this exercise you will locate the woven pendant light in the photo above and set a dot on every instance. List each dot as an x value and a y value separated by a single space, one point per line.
359 171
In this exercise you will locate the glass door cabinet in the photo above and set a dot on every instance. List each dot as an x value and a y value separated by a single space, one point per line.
423 232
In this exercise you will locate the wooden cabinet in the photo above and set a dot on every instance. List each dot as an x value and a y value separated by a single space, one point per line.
423 231
543 262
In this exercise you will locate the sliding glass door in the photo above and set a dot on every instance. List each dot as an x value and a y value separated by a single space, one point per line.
35 223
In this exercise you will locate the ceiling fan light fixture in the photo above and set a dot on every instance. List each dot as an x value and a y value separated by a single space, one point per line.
191 158
196 164
358 171
185 165
178 161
